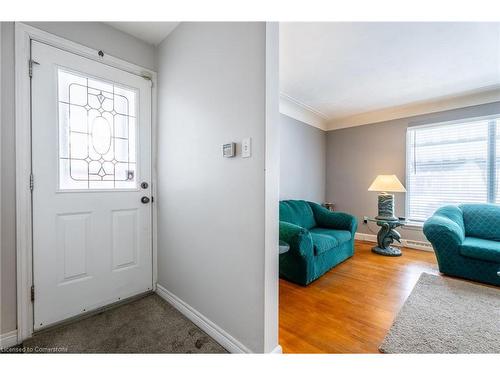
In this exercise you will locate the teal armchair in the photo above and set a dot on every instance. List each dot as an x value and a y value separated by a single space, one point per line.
319 240
466 240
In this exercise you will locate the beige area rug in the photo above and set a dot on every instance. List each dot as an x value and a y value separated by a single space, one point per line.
444 315
147 325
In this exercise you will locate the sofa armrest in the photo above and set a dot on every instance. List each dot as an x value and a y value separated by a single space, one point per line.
334 220
445 227
298 238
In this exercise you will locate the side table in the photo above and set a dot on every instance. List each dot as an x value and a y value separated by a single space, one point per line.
284 247
329 206
386 236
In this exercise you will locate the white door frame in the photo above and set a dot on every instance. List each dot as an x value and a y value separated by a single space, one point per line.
24 229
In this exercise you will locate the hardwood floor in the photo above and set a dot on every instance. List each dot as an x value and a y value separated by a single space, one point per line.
350 308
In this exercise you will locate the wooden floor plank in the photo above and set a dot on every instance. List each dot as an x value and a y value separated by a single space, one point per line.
350 308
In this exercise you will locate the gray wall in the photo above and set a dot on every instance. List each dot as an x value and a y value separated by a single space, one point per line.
302 161
355 156
91 34
8 320
211 209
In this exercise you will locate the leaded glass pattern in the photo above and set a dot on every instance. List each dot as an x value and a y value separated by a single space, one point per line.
97 134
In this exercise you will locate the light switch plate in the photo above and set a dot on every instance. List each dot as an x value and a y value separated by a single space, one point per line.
246 148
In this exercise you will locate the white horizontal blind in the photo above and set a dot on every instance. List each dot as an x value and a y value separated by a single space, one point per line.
449 164
495 156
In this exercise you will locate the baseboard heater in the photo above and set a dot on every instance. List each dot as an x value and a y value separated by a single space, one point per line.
420 245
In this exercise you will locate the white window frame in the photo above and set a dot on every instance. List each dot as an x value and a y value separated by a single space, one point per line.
408 150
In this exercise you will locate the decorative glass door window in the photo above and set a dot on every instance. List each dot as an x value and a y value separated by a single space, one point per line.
97 134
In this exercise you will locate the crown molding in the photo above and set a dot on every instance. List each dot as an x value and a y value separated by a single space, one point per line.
486 95
302 112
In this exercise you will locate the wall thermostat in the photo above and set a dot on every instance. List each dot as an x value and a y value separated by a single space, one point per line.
229 150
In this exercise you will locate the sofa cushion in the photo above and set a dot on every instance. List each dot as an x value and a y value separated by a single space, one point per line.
482 221
323 243
479 248
340 235
298 213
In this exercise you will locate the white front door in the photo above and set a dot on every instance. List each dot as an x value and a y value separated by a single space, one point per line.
91 159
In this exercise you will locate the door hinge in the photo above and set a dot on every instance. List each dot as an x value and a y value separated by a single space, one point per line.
30 69
32 181
32 293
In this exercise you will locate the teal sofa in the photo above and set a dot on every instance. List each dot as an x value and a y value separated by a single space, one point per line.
319 240
466 240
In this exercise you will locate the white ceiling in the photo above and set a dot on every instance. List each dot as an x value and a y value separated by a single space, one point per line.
150 32
340 70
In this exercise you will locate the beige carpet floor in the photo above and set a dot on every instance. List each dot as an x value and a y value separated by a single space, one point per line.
444 315
147 325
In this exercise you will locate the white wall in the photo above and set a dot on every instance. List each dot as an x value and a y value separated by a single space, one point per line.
92 34
211 224
100 36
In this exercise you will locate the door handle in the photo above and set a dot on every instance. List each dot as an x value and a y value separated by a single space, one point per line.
145 200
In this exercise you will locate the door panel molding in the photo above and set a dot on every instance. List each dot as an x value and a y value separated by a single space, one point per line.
24 246
124 237
74 265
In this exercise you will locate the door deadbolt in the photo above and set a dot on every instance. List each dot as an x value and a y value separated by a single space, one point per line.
145 200
144 185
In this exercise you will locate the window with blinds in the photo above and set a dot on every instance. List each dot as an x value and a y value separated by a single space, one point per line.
452 163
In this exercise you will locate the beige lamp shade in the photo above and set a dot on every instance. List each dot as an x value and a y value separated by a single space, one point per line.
387 183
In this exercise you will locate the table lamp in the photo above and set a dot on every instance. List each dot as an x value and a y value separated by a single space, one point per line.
385 184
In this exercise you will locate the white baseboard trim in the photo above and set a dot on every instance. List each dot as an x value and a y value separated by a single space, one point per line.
365 237
8 339
277 350
411 244
213 330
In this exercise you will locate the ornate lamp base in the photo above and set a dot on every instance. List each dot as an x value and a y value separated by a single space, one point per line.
386 207
386 236
389 251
